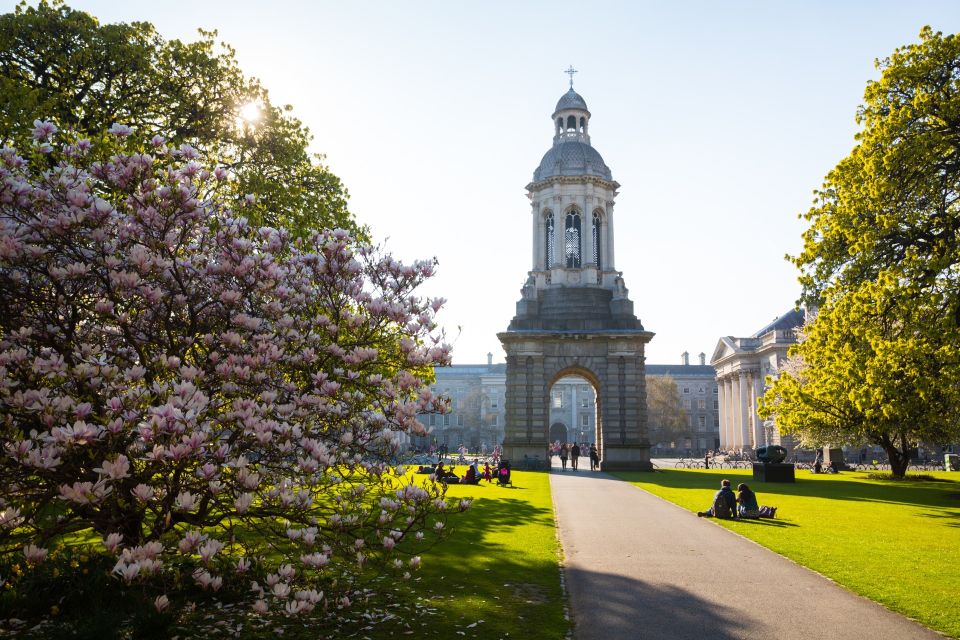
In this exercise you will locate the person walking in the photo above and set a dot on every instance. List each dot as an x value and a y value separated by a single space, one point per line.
574 456
594 458
564 451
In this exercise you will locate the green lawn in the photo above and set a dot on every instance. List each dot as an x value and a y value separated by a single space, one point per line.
500 566
897 543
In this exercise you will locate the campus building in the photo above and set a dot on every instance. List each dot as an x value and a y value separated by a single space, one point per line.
477 394
742 366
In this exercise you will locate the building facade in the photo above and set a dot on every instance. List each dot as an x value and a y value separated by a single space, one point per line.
742 366
477 416
700 402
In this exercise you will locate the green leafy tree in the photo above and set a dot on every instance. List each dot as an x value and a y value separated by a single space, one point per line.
60 64
667 419
880 260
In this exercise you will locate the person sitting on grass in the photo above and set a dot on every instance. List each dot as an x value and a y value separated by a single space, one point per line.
444 475
747 506
473 475
724 503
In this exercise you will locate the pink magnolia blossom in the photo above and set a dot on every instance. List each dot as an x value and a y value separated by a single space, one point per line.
232 365
35 554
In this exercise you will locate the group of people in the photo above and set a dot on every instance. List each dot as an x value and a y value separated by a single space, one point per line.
473 474
573 452
743 504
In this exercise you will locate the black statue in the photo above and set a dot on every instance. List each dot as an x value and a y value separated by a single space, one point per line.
774 454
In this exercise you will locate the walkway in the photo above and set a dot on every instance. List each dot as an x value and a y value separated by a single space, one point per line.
640 568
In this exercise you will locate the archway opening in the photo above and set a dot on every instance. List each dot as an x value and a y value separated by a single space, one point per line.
574 415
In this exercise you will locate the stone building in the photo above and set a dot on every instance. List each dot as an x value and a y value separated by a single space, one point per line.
742 365
699 400
477 394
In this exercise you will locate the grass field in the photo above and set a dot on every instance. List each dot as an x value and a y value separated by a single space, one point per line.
497 576
897 543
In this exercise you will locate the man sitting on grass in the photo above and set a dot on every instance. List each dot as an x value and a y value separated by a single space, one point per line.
724 503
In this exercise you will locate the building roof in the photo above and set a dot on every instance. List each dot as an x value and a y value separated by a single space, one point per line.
571 100
572 158
790 320
680 370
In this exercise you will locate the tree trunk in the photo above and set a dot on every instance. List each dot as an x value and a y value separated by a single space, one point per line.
899 456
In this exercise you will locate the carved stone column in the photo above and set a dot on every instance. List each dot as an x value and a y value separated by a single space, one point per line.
721 396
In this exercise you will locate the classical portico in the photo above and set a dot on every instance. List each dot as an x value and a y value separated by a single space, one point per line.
742 366
574 316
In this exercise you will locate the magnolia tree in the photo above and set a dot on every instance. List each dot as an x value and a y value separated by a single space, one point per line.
212 405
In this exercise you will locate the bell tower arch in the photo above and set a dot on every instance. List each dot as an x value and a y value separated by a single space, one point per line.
574 313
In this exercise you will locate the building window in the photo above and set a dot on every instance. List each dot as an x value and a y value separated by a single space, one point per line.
597 224
459 421
701 423
493 421
446 420
433 419
584 402
716 404
686 389
701 404
548 232
716 421
557 399
571 240
584 420
716 390
701 389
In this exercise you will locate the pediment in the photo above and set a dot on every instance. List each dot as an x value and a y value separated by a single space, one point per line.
726 347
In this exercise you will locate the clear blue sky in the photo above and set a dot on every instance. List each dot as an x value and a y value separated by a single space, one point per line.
717 118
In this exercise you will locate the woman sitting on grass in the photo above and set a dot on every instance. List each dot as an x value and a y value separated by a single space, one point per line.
747 506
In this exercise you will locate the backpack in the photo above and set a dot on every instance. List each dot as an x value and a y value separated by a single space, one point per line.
721 506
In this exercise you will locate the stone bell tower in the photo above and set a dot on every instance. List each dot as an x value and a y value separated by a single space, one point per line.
574 316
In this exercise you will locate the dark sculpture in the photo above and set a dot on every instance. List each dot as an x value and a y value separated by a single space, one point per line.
774 454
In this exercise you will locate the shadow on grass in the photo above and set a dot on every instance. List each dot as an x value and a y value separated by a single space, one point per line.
487 571
952 517
912 492
766 522
614 606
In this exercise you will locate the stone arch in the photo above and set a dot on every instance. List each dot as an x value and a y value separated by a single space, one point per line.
575 369
610 361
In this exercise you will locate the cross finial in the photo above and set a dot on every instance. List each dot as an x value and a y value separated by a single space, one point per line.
570 73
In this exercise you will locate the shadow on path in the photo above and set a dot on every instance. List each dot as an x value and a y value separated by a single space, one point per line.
632 608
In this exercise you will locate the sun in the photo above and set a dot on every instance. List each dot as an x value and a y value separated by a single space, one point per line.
250 113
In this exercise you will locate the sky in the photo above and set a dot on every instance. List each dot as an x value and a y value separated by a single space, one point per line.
717 119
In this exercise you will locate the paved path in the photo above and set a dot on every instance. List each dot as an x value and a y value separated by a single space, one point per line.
640 568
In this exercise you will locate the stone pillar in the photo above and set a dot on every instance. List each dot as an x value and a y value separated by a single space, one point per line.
760 434
608 236
734 411
559 228
731 415
744 410
538 238
574 425
586 234
723 406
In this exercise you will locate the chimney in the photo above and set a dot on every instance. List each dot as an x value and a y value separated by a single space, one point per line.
703 358
489 358
685 357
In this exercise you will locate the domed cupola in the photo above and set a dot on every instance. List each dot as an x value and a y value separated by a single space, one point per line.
571 154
